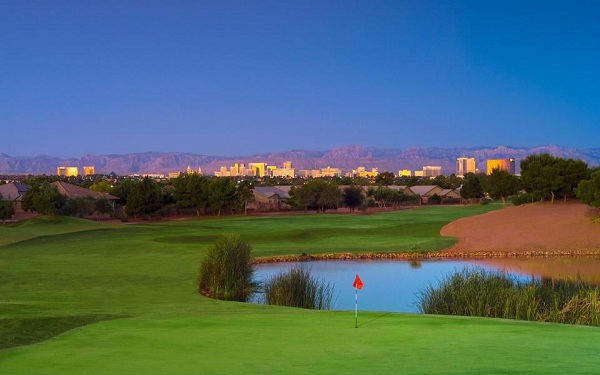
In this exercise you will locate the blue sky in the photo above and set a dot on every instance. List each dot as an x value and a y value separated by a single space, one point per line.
245 77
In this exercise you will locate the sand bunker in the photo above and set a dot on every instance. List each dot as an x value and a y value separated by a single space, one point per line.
559 227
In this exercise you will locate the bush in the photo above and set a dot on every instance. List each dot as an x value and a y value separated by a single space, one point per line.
226 271
434 199
298 288
524 198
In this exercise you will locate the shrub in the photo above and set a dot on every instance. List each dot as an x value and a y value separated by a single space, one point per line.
524 198
434 199
226 271
298 288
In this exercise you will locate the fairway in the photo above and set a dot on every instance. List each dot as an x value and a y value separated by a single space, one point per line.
129 291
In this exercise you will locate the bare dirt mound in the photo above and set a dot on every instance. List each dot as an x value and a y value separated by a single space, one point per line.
533 227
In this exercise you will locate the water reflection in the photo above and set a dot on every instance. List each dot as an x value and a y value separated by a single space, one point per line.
586 269
393 286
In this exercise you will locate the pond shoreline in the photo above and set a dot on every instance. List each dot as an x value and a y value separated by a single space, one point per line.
431 256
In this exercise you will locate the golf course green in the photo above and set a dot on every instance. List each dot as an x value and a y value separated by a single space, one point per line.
82 297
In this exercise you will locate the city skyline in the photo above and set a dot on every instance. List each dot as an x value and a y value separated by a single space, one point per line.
239 78
259 169
346 158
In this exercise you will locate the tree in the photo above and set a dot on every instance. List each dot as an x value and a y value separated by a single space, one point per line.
101 186
501 185
245 194
353 197
409 180
103 206
144 198
383 196
80 206
43 198
445 182
122 190
588 191
7 210
434 199
221 194
330 197
547 177
191 190
385 178
317 194
472 187
572 173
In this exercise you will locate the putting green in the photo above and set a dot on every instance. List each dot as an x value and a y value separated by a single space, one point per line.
265 340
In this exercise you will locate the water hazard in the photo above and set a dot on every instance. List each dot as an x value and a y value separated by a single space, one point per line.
393 286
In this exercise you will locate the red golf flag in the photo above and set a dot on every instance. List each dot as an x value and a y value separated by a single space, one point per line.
357 283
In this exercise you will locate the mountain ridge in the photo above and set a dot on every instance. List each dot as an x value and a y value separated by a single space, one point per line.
344 157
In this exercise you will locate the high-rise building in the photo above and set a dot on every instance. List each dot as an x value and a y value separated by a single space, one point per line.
222 172
464 166
405 173
432 170
287 170
258 169
362 172
234 170
67 171
503 164
330 172
284 172
88 170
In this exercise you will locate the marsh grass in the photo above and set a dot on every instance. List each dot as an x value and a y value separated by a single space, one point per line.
226 271
477 292
298 288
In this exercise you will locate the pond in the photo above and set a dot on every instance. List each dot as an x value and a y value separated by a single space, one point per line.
393 286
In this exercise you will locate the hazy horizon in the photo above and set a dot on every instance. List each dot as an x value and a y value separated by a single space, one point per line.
303 150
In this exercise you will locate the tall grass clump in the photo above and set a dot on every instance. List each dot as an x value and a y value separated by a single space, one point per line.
477 292
226 271
298 288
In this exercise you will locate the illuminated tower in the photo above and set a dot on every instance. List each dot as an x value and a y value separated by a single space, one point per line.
502 164
464 166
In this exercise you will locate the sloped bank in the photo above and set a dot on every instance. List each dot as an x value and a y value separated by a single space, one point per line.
533 230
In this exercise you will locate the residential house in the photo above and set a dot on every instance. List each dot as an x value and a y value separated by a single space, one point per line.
450 196
270 197
14 192
73 191
425 191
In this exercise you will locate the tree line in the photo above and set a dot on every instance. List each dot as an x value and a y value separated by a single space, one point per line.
543 178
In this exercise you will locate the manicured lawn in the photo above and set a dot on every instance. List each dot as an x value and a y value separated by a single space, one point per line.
259 340
130 288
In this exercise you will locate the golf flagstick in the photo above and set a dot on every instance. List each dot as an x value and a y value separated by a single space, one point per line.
357 285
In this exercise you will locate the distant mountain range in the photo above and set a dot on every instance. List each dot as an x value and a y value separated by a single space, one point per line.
346 158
